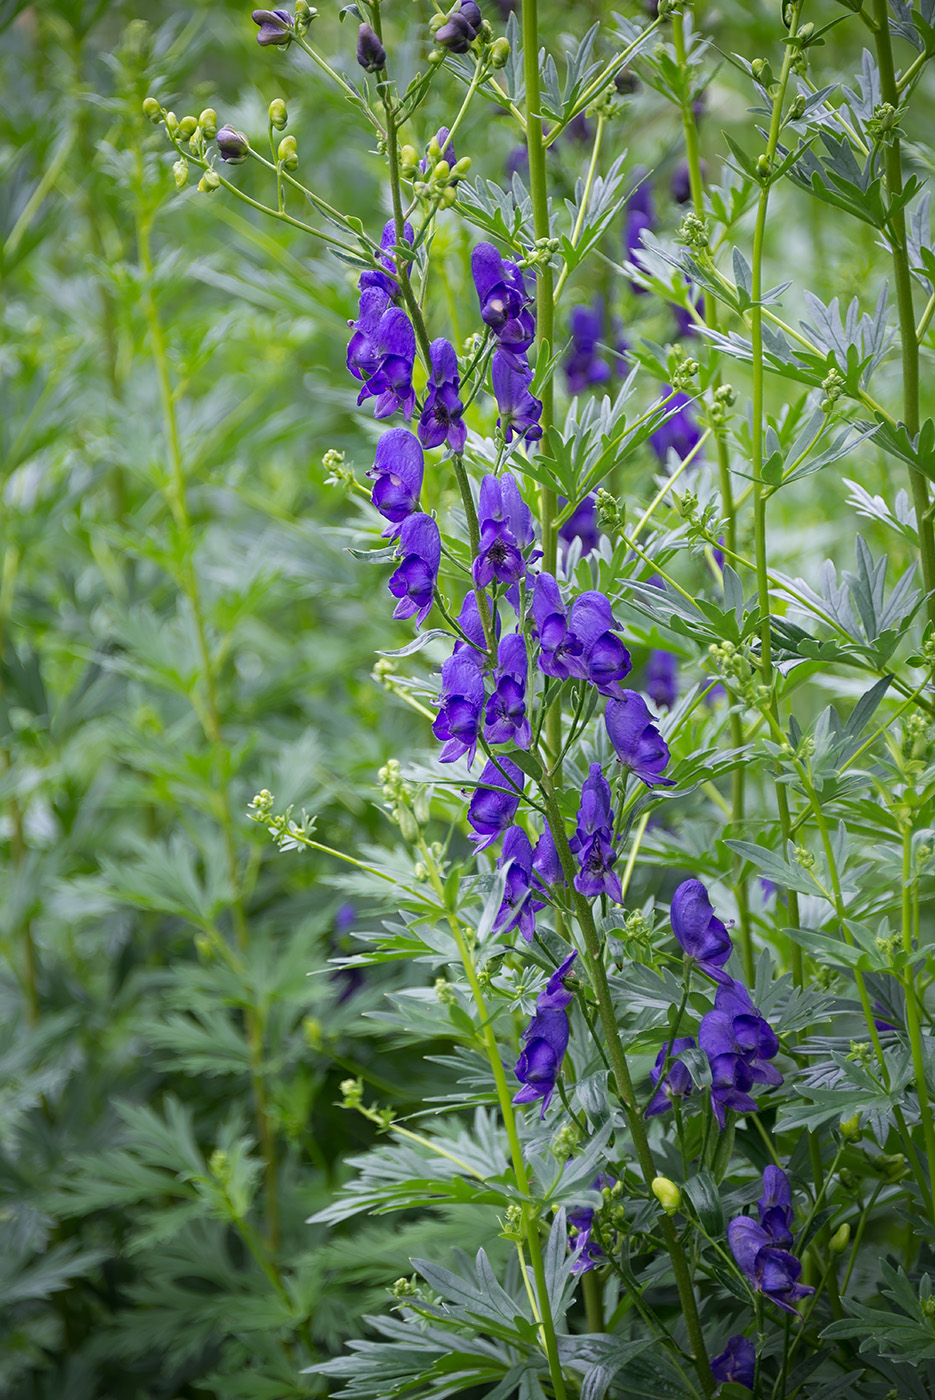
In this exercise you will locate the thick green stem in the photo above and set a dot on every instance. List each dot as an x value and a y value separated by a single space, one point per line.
902 276
912 1005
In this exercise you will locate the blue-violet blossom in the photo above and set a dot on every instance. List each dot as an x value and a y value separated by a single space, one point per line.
737 1362
699 931
637 742
593 842
520 410
414 581
505 719
677 1083
441 413
390 383
546 1039
517 909
495 801
397 477
459 707
506 529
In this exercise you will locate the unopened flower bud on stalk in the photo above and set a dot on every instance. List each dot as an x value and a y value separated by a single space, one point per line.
288 153
408 161
232 145
152 110
840 1239
187 128
275 27
850 1129
180 171
371 55
500 53
208 121
209 182
278 116
172 123
667 1194
304 14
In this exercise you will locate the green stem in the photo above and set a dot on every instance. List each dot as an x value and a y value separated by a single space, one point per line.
912 1005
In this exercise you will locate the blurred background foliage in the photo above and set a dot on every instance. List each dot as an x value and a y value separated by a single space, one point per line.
181 625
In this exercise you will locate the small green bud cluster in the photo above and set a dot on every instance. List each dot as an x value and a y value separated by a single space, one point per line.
261 808
405 1288
352 1093
682 370
637 935
887 945
722 400
304 14
565 1142
832 387
804 858
445 992
541 255
611 513
513 1225
693 232
407 806
859 1052
916 737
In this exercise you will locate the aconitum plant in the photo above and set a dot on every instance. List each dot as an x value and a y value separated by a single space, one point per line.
690 921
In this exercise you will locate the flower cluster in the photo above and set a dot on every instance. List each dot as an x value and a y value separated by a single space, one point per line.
506 310
546 1040
762 1250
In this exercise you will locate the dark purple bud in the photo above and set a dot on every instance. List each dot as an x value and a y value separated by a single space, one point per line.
232 145
397 477
456 34
580 525
700 934
470 11
679 433
459 707
604 658
636 740
677 1083
276 26
737 1362
371 55
441 414
495 801
505 718
520 411
518 909
414 581
769 1270
593 842
775 1206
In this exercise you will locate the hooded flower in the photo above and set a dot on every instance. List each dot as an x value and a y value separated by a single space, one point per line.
472 627
363 355
371 55
441 414
546 863
731 1082
414 581
580 525
495 801
232 145
770 1270
662 679
397 477
385 281
737 1362
677 1083
604 659
593 842
583 365
275 27
505 719
679 433
775 1206
505 530
587 1252
505 304
546 1039
636 740
460 28
735 1027
518 909
560 650
391 381
700 933
459 707
520 410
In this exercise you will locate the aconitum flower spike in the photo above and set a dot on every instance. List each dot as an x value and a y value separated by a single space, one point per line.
518 909
232 145
559 649
636 740
662 679
390 384
737 1362
375 277
520 410
371 55
604 659
276 27
506 528
580 525
397 477
677 1083
699 931
495 801
505 719
441 414
775 1206
414 581
769 1270
546 1039
593 842
679 433
459 708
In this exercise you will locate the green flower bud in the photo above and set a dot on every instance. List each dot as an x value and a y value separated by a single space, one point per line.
172 123
666 1193
840 1239
762 165
304 14
797 107
208 121
461 167
209 181
850 1129
441 172
288 153
180 171
408 826
311 1029
449 197
187 128
499 53
436 57
805 32
408 161
152 110
278 116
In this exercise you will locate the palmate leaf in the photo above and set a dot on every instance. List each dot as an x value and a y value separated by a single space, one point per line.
905 1336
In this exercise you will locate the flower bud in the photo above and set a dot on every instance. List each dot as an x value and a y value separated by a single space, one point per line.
172 123
187 128
208 121
304 14
408 161
449 197
180 171
762 165
461 167
232 145
371 55
408 826
441 172
797 107
666 1193
275 27
278 116
500 53
152 110
840 1239
626 82
850 1129
288 153
209 181
456 34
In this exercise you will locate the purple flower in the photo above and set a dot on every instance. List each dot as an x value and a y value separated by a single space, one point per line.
604 660
736 1027
495 801
363 356
505 719
587 1252
559 647
546 1039
441 414
472 627
772 1271
636 740
677 1083
593 842
517 163
391 381
375 277
459 707
504 301
232 145
371 55
731 1081
446 148
775 1206
684 320
700 933
640 216
520 410
518 909
506 529
662 679
679 433
397 477
681 183
546 863
580 525
584 367
737 1362
414 581
460 28
276 26
348 979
